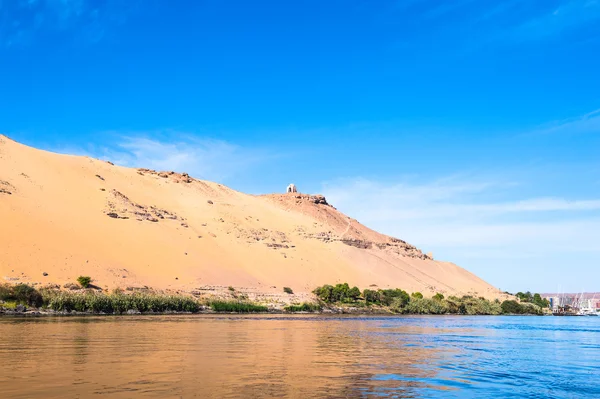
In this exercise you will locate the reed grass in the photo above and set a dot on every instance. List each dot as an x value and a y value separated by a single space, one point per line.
9 305
304 307
236 307
118 303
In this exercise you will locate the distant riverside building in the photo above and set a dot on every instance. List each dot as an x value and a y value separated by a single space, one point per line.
585 304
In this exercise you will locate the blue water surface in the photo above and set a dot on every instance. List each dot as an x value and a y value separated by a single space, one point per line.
311 356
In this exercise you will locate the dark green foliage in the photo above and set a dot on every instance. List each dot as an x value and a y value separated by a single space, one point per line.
371 296
118 303
386 297
325 293
5 292
525 297
21 293
539 301
512 307
423 306
469 305
536 299
230 288
353 293
399 301
339 293
438 297
288 290
305 307
532 308
237 307
84 281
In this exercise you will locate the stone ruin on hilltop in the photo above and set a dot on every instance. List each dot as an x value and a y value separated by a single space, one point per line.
291 188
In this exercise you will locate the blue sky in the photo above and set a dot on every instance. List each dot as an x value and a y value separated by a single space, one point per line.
471 129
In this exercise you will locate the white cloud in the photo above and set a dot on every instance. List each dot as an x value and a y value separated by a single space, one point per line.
588 123
203 158
567 16
24 22
461 220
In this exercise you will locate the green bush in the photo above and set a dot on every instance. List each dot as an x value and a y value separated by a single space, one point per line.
353 294
288 290
438 297
386 297
532 308
26 294
425 306
84 281
6 293
325 293
416 295
339 293
371 296
305 307
480 306
511 307
237 307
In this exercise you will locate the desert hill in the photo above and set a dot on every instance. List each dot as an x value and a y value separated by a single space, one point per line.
64 216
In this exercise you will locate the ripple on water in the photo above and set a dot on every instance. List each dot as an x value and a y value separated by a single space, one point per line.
300 357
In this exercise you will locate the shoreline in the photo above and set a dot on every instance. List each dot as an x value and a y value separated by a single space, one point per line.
24 300
208 312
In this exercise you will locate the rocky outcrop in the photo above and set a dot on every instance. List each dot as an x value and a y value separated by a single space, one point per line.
6 187
121 207
319 199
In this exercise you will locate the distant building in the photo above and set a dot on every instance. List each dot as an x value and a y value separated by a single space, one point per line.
291 189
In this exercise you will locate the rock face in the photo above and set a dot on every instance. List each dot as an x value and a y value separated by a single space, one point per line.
319 199
155 221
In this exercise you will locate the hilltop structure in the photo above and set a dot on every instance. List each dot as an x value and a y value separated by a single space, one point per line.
291 189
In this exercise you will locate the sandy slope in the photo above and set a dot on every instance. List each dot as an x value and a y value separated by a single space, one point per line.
68 216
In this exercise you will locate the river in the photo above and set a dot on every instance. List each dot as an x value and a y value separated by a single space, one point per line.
300 357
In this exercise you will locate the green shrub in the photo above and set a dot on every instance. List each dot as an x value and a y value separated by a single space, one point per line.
237 307
26 294
416 295
353 294
425 306
386 297
438 297
230 288
325 293
532 308
480 306
84 281
371 296
305 307
288 290
339 293
6 292
8 305
512 307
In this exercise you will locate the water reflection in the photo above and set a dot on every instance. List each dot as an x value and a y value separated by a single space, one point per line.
296 357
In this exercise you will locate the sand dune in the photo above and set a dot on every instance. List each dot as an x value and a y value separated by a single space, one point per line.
63 216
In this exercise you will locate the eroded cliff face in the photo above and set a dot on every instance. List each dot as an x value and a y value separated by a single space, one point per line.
64 216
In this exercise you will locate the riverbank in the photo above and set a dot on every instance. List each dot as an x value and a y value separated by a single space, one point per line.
22 299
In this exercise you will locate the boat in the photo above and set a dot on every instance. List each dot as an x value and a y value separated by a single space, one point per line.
587 312
567 311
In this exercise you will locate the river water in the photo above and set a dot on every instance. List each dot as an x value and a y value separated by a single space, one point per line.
300 357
